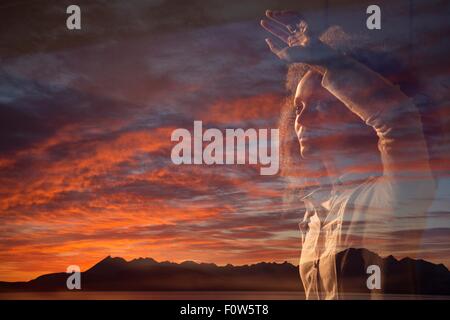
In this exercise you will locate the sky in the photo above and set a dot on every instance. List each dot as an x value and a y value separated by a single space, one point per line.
86 119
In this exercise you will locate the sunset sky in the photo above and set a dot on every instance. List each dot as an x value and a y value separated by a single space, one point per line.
86 119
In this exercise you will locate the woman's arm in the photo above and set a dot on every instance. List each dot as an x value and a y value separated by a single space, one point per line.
384 107
374 99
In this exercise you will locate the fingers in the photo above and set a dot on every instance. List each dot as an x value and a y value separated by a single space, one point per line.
276 30
282 53
298 39
289 27
284 18
273 47
294 41
294 54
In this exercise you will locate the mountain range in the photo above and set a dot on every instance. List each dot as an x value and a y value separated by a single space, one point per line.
146 274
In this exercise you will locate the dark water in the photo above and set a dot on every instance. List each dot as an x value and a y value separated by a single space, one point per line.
145 295
186 295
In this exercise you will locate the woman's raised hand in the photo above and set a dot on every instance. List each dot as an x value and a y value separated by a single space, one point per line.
302 45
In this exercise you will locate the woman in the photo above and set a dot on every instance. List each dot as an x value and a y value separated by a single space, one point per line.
363 135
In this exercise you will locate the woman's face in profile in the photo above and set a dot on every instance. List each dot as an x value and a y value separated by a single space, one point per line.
324 126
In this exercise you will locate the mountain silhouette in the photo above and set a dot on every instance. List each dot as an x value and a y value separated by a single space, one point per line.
116 274
146 274
405 276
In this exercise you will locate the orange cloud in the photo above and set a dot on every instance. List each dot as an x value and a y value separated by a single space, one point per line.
263 106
